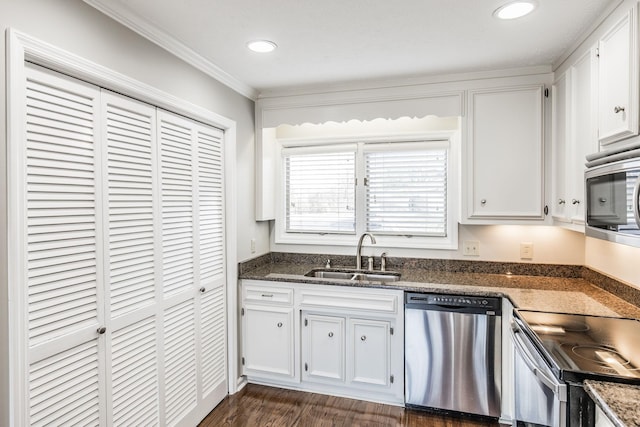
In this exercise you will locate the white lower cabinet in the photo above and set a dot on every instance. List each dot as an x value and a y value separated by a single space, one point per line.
323 348
338 341
268 340
370 352
268 328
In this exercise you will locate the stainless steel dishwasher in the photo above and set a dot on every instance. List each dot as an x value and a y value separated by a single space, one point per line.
453 353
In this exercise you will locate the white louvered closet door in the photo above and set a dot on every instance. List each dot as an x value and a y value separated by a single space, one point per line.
132 243
193 272
123 268
64 257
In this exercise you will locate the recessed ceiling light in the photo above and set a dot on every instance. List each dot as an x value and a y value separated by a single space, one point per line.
262 46
515 9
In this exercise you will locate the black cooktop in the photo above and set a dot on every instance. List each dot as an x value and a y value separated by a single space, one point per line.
580 346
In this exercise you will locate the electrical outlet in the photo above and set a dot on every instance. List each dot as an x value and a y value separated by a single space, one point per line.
253 246
471 248
526 250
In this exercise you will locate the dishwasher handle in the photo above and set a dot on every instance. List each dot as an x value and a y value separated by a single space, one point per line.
523 347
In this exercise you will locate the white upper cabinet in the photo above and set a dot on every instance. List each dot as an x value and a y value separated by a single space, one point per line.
561 139
618 80
503 156
583 132
574 120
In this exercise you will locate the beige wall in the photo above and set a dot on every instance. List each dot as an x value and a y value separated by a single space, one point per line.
78 28
615 260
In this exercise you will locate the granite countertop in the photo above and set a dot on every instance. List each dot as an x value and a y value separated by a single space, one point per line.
534 291
558 294
618 401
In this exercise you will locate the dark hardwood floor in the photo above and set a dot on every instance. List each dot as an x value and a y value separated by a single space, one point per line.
258 405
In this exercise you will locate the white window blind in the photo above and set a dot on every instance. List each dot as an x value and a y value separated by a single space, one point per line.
406 189
319 190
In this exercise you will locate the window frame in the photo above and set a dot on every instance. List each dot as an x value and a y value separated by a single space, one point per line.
451 139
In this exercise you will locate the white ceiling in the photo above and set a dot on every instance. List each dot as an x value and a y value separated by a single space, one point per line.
341 41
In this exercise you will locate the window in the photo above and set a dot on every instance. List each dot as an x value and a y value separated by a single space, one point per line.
320 192
406 189
397 190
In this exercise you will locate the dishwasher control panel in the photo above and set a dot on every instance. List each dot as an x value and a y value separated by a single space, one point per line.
461 302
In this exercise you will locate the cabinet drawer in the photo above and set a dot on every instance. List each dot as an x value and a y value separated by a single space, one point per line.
350 300
267 294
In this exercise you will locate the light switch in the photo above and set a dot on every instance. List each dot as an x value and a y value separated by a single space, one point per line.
526 250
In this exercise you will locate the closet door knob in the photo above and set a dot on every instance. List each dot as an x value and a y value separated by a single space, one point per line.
202 289
363 338
561 201
618 109
101 330
330 334
279 324
575 202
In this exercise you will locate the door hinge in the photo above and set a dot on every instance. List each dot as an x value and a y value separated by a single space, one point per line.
366 182
546 93
391 331
306 322
242 311
306 367
597 52
391 379
243 361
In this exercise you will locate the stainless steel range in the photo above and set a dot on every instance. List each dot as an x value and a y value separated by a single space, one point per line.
556 352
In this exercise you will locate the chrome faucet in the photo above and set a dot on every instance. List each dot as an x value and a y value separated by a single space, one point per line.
359 250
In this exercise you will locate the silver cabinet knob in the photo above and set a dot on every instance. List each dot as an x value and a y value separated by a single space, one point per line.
330 334
279 324
618 109
363 338
602 200
483 202
101 330
575 202
561 201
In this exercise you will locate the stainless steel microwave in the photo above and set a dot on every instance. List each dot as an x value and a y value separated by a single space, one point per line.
612 207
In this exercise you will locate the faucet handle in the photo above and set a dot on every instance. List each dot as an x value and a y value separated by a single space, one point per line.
383 261
328 264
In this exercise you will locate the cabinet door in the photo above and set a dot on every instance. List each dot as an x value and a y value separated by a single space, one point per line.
323 349
618 81
584 138
504 154
370 355
268 340
561 141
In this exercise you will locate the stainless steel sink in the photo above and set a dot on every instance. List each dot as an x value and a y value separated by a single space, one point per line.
379 276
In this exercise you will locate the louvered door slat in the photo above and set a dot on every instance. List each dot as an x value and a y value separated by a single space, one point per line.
130 125
210 196
176 134
212 339
65 385
61 211
135 375
179 356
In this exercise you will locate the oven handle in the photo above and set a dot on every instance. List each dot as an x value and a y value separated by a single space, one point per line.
636 202
523 348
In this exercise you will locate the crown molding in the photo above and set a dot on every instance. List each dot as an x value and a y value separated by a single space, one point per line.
403 83
125 17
